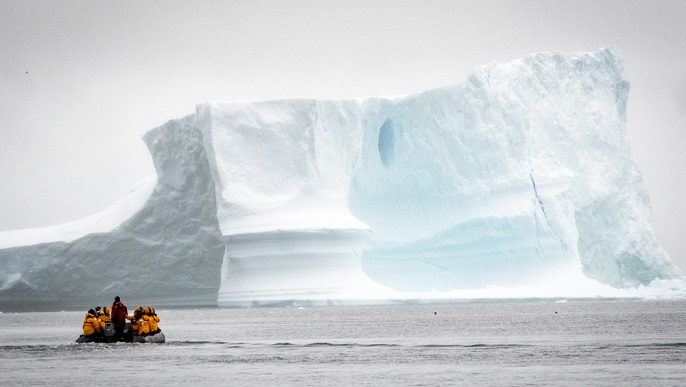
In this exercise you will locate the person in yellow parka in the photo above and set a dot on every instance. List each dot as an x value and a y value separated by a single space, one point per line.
144 323
91 325
104 316
153 320
143 327
139 324
135 318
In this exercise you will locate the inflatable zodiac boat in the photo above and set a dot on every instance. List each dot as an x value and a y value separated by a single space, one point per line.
127 336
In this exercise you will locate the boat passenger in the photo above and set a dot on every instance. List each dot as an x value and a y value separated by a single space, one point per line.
104 317
144 322
153 320
91 325
106 324
98 313
136 319
106 314
143 327
119 313
147 316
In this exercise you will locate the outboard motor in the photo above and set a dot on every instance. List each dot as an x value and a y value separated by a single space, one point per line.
109 329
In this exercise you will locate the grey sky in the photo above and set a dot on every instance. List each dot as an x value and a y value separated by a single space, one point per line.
101 73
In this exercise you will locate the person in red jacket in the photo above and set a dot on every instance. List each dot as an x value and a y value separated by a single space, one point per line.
118 314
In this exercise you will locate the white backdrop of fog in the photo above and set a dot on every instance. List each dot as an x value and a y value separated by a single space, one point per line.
81 81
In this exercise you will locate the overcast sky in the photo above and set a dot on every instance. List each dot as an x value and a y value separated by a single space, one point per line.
81 81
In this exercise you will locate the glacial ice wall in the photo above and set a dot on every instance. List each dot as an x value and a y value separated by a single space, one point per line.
282 172
167 250
282 165
519 177
520 173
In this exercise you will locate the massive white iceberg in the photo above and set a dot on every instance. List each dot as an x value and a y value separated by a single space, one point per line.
519 177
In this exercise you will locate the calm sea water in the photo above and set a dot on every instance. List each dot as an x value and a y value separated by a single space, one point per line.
491 343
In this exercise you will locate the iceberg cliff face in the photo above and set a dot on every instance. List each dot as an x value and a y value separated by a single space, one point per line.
167 251
521 172
519 176
282 171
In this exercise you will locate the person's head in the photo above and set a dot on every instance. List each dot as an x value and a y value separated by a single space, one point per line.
91 311
97 308
107 311
117 299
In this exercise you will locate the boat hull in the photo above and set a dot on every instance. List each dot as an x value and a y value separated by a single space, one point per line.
152 338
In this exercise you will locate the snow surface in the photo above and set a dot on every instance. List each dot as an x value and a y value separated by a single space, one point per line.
101 222
517 182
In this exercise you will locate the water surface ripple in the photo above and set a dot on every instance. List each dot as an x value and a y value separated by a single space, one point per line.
509 343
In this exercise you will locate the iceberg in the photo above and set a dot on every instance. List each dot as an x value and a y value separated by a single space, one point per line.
519 174
160 245
516 182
